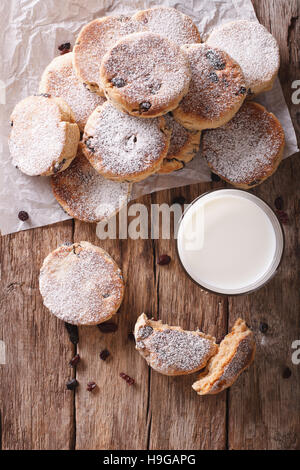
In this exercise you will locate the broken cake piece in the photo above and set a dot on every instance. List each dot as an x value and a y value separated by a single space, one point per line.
171 350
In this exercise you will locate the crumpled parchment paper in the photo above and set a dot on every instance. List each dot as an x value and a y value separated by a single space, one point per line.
30 33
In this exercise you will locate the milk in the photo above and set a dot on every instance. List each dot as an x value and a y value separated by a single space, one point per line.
230 241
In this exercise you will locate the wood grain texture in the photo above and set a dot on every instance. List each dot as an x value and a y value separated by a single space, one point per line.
116 415
182 419
35 407
260 411
260 403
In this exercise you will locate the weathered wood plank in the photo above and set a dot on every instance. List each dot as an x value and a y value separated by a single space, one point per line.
115 416
35 407
264 407
180 418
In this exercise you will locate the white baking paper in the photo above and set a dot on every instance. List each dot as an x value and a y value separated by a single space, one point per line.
30 33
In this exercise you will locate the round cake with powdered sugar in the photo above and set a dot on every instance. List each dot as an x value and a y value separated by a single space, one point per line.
171 23
236 353
252 46
86 195
60 80
171 350
248 149
94 40
44 136
145 75
123 147
183 147
81 284
216 92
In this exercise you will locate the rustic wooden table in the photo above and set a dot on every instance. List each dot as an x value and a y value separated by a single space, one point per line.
261 411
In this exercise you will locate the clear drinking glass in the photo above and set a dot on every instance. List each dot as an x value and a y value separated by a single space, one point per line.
278 252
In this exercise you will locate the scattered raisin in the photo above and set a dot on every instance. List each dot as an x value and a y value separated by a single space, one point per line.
91 386
163 260
44 95
241 91
75 361
215 60
145 106
104 354
279 203
145 332
286 373
72 384
118 82
11 124
88 144
263 327
213 77
215 177
283 217
73 333
179 200
108 327
127 379
64 47
23 216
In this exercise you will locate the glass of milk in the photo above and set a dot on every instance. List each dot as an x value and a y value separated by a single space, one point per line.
230 242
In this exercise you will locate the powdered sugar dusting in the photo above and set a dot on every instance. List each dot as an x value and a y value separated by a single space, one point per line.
170 23
95 39
217 84
38 136
123 145
176 351
60 80
245 149
80 284
154 71
87 195
252 46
